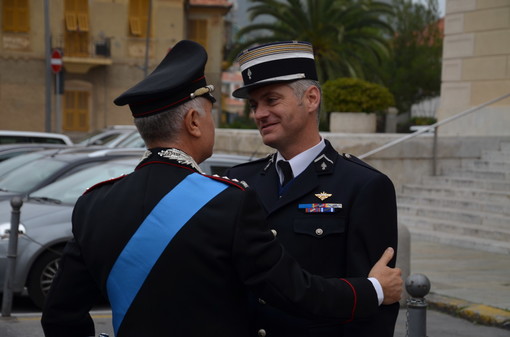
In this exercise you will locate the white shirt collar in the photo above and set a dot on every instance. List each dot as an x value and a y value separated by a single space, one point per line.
300 162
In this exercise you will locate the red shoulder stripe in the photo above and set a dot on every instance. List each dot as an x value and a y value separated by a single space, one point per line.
109 181
227 180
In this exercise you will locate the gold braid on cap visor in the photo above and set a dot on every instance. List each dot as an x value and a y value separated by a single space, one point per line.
202 91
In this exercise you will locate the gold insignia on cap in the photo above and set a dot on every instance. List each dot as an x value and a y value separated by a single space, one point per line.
249 73
323 195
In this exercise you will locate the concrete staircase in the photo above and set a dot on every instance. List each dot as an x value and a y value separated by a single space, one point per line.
467 207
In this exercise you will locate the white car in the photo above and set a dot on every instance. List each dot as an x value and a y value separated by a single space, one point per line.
110 137
10 137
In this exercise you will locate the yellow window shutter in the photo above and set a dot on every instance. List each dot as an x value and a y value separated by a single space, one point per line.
82 13
134 26
83 22
138 17
8 15
23 16
71 22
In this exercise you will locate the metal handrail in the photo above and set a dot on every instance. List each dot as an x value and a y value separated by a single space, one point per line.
435 127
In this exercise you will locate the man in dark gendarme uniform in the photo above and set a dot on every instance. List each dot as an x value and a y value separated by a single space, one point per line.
174 250
332 212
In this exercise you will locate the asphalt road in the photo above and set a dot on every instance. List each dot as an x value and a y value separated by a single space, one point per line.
24 322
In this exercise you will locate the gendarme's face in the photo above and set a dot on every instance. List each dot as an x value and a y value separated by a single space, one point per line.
280 116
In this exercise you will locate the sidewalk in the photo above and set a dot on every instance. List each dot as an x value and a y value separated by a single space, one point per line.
468 283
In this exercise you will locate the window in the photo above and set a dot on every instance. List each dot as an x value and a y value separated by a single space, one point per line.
76 15
138 17
198 31
15 16
76 110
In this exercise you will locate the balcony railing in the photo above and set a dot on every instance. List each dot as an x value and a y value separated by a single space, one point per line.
81 52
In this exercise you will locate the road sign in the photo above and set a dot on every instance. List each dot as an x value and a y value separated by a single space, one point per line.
56 60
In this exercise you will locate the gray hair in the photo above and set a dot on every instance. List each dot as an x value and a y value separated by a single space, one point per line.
300 86
166 126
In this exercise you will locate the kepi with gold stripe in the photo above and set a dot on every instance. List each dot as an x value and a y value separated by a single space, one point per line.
275 62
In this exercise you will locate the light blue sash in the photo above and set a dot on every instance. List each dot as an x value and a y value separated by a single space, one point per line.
152 237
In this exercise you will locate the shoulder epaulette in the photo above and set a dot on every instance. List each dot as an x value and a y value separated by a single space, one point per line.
255 161
234 182
356 160
106 182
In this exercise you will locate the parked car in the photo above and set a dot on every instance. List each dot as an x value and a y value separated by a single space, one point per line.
218 163
10 137
45 226
45 222
13 163
8 151
110 137
132 141
52 166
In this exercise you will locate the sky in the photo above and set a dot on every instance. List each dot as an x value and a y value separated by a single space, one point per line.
441 5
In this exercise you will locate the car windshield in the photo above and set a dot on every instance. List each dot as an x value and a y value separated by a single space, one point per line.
28 176
69 189
18 161
134 140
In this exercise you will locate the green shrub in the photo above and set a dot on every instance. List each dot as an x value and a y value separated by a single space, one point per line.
355 95
421 120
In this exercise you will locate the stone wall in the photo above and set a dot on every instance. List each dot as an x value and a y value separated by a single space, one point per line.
404 163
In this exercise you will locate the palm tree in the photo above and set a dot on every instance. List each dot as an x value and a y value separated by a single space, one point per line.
349 37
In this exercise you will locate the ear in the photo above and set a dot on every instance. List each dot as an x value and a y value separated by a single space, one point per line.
192 123
312 98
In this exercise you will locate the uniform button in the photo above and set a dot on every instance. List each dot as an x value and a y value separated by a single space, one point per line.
319 231
261 333
274 232
261 301
347 155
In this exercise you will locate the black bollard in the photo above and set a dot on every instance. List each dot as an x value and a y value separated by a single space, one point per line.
12 250
417 286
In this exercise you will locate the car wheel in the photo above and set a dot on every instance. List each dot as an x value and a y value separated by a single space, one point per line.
41 276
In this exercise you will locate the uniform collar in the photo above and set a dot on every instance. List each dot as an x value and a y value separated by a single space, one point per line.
171 154
300 162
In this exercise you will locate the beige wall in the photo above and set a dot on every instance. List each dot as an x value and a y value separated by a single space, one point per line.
476 66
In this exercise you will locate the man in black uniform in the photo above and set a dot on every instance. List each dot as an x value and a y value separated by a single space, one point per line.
175 250
333 213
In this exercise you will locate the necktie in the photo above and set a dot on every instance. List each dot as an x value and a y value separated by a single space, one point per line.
286 170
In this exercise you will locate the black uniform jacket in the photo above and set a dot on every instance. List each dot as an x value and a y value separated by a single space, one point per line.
343 240
198 285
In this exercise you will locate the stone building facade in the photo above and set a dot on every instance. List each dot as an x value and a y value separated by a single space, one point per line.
104 52
476 67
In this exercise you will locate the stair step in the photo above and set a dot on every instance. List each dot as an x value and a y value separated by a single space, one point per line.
461 241
505 146
484 184
457 192
496 155
485 219
490 165
466 207
455 227
478 173
456 204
